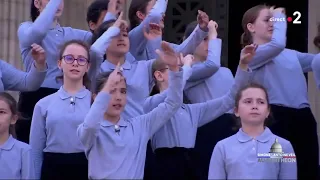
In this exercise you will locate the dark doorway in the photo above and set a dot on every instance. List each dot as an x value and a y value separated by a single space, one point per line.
297 34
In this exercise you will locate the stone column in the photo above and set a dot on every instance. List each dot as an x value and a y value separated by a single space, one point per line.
314 93
12 13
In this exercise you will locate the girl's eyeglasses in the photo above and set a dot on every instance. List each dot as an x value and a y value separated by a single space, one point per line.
69 59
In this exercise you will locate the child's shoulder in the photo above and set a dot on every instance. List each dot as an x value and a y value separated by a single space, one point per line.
227 141
281 141
21 145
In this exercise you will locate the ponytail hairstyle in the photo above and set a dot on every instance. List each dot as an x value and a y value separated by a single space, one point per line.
86 79
13 106
34 11
249 17
316 40
269 120
135 6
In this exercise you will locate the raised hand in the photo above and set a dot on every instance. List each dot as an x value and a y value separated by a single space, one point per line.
247 53
187 60
274 11
39 56
168 56
154 32
212 26
120 23
203 20
112 7
114 79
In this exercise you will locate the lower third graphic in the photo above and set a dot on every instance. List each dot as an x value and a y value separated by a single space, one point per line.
276 155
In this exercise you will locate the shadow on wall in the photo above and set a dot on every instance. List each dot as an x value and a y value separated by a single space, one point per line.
316 40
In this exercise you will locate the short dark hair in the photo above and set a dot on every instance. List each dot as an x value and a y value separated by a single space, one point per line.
95 9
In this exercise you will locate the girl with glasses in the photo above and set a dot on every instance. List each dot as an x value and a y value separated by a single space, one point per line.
57 152
44 29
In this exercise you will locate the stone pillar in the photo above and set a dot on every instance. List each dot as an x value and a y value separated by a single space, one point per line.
314 93
12 13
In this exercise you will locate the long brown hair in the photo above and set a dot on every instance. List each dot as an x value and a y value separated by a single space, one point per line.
250 16
269 119
86 79
135 6
12 103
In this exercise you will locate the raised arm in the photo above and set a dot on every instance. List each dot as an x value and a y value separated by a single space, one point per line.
162 113
305 60
153 101
88 131
16 80
102 43
217 163
266 52
316 69
27 168
155 119
214 108
288 170
38 137
137 40
196 37
29 33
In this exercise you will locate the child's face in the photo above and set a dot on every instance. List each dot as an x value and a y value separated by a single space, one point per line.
118 99
162 77
253 107
202 49
119 45
6 117
75 62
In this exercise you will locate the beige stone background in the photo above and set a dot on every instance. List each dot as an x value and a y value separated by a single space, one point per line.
13 12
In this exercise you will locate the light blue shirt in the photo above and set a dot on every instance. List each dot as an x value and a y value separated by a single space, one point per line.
122 155
54 124
316 69
50 38
281 70
144 49
139 73
181 130
236 157
15 160
216 85
15 80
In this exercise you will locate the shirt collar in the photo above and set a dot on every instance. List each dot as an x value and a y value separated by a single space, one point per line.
65 95
264 137
8 145
126 65
58 27
121 123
